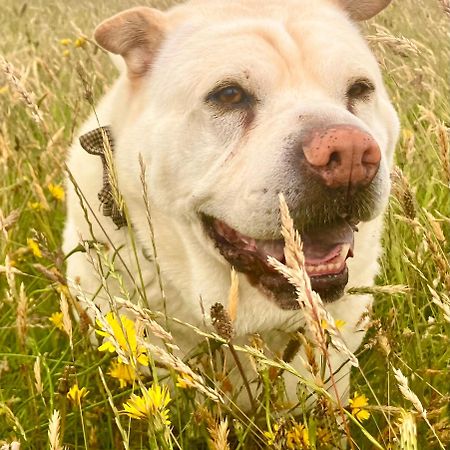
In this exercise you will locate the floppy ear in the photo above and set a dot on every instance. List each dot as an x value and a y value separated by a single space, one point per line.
363 9
136 35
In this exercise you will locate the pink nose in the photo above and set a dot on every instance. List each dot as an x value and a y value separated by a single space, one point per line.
343 155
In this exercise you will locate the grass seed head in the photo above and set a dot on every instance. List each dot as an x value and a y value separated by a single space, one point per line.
408 431
221 321
37 376
54 427
402 382
219 435
233 296
66 320
18 86
22 315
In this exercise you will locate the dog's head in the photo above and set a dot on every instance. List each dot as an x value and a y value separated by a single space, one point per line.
233 102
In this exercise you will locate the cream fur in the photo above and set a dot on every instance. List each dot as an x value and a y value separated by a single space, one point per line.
296 54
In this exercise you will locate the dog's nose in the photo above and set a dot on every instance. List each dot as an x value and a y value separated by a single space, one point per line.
343 155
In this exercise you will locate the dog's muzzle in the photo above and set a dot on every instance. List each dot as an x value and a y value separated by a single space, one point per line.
336 167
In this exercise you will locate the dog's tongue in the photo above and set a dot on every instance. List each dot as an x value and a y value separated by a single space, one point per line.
326 248
325 244
321 246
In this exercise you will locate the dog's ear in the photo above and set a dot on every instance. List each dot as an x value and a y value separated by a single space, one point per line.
136 35
363 9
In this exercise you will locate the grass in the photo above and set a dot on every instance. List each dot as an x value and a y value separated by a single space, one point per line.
42 361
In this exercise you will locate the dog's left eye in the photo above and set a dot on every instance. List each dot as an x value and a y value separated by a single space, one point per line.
229 96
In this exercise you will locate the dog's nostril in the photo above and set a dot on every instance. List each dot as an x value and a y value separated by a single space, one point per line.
370 156
335 157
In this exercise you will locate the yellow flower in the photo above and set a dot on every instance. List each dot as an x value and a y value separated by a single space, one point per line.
271 436
297 437
184 381
36 206
4 89
76 394
151 405
57 191
62 289
80 42
66 53
65 42
407 134
34 247
357 403
124 334
123 372
339 324
57 320
324 436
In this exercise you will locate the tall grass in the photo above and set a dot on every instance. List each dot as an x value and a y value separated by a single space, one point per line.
57 390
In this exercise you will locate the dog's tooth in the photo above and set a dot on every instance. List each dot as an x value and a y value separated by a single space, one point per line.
344 251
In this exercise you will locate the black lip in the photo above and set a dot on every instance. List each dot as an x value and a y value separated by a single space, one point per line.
262 276
330 287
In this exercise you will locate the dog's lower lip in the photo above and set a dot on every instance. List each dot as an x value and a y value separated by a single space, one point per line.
326 250
322 282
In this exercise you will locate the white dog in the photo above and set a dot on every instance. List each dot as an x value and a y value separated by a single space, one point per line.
228 104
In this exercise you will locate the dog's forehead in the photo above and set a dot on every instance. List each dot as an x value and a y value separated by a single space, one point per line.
224 10
291 44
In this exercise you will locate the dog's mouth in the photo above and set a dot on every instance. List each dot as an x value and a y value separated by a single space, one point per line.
326 251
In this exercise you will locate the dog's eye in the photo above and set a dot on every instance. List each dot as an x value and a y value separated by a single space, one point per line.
360 89
230 96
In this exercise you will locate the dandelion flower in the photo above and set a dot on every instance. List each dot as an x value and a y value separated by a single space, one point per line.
57 191
184 381
122 372
124 335
76 394
34 247
151 405
297 437
57 320
357 404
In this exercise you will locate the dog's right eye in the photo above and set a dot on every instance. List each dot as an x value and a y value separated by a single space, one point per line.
360 89
229 96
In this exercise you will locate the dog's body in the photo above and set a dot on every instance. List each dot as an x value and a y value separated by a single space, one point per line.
222 100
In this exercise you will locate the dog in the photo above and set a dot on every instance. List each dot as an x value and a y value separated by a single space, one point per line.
219 108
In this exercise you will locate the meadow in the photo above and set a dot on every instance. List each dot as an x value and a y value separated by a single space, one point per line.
58 391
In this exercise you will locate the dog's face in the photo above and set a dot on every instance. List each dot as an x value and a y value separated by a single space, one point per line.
240 101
